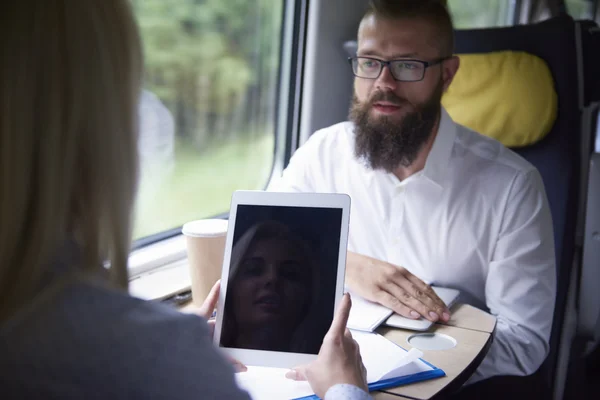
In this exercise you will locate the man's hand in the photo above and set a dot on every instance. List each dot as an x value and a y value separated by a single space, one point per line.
394 287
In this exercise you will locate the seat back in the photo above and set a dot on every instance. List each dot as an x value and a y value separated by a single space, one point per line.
556 155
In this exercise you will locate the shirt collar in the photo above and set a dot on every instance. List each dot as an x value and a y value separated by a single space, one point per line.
436 165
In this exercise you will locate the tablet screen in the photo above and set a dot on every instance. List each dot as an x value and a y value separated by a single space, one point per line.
282 278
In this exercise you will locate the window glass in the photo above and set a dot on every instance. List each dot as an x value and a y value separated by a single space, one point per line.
580 9
207 115
479 14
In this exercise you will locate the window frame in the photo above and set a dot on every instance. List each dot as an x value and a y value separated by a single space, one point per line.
291 77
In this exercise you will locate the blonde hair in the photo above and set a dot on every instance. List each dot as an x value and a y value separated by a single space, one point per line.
69 84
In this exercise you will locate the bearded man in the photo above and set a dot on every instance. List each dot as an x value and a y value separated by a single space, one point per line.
433 202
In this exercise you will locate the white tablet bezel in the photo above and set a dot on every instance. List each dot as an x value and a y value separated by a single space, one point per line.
261 198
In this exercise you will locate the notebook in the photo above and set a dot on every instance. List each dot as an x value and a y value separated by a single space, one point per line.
367 316
388 365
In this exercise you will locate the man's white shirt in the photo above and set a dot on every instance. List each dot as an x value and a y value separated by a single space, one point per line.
476 218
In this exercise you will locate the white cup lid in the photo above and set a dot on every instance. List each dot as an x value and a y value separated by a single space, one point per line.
205 228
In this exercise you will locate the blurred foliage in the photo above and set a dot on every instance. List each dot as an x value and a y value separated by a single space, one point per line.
580 9
213 63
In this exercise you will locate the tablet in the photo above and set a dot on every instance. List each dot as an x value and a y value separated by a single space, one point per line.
283 275
447 295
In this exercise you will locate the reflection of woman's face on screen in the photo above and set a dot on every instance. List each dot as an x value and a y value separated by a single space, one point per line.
272 286
270 291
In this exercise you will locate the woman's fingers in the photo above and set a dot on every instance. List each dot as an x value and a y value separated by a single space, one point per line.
210 302
340 319
237 365
297 374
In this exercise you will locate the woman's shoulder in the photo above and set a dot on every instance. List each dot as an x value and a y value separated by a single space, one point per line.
104 341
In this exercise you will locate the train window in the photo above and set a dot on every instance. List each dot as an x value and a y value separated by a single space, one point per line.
480 14
207 115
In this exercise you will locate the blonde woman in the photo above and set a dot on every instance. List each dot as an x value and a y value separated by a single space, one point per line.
70 78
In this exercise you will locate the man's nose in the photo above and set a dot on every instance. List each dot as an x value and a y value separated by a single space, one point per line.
386 79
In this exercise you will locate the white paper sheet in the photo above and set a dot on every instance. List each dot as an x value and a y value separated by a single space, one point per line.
264 383
384 359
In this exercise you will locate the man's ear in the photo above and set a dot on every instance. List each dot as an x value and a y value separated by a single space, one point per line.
449 69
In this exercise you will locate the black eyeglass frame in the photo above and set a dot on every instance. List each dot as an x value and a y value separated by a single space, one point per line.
383 64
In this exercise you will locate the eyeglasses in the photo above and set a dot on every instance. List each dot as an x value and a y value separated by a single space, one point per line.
401 70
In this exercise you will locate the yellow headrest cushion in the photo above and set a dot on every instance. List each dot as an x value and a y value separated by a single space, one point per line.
506 95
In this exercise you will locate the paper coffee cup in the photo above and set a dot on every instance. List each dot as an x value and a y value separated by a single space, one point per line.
205 242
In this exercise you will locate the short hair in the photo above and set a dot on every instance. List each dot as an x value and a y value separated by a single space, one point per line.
434 11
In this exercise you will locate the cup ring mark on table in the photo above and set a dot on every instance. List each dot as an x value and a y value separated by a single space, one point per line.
431 341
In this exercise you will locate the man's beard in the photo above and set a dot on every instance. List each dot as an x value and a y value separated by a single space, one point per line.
386 143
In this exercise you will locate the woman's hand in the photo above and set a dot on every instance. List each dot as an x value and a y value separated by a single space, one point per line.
206 311
339 359
209 305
